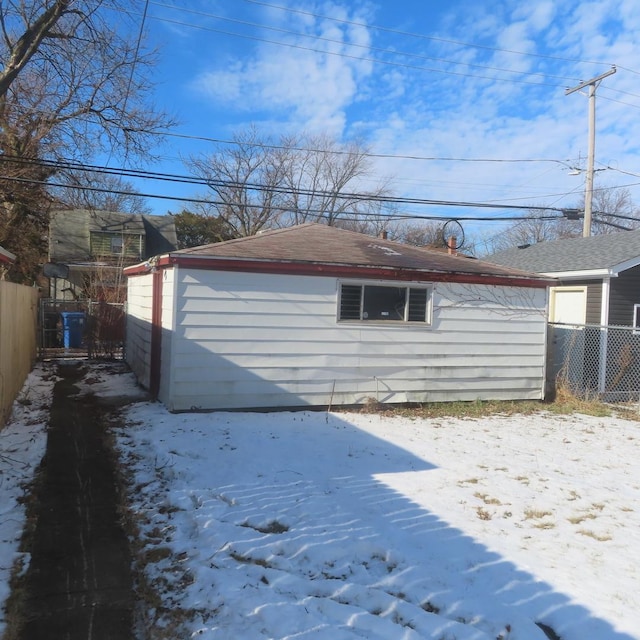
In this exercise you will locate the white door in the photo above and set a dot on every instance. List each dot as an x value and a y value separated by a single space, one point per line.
568 305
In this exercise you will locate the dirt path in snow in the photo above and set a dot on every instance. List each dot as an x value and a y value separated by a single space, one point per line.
78 585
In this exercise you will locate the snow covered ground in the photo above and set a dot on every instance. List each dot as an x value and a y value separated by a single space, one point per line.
22 445
351 525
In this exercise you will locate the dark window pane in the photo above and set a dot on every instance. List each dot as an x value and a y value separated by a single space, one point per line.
417 305
383 303
350 302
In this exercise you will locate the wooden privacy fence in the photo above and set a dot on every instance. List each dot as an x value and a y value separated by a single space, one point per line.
18 349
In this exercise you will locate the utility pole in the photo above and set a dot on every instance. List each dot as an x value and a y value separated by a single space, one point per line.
588 188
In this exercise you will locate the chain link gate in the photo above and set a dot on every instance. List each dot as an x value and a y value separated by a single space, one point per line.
80 329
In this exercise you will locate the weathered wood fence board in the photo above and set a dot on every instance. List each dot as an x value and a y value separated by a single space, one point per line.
18 348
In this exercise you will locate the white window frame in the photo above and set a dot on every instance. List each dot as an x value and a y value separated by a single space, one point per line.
113 241
407 286
636 319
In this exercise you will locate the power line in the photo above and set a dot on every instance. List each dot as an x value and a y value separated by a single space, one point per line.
385 50
216 183
365 154
228 184
423 37
353 57
356 215
318 38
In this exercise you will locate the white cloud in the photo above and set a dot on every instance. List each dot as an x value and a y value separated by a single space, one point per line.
462 111
310 89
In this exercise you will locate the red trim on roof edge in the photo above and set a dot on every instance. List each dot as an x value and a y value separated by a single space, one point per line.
338 271
6 257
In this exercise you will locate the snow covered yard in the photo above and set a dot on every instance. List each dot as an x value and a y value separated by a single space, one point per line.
352 525
348 525
22 445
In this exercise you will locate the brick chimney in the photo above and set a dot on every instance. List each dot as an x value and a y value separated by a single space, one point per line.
451 246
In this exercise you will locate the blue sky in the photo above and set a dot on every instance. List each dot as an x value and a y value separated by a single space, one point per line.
419 81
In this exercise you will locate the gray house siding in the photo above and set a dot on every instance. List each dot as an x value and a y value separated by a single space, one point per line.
625 292
594 302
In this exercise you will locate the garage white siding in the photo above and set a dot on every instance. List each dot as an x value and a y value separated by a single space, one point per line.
168 325
138 340
249 340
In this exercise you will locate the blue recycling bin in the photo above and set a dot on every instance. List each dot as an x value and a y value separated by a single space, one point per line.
72 328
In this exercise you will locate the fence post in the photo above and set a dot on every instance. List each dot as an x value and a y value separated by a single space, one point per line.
602 370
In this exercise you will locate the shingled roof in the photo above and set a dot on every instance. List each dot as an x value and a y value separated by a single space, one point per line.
319 248
603 253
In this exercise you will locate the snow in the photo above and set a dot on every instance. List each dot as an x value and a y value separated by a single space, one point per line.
22 445
356 525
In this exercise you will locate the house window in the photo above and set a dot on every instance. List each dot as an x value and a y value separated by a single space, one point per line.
383 303
117 245
105 244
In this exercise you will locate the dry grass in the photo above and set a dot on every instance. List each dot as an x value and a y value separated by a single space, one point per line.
595 536
581 518
486 499
536 514
483 514
564 403
544 525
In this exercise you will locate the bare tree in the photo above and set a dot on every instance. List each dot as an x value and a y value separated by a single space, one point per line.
75 68
535 226
613 210
39 24
324 180
72 84
258 183
246 180
423 234
100 192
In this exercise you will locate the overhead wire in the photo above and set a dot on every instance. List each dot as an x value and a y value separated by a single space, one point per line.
421 36
390 51
203 181
321 213
360 58
409 157
394 52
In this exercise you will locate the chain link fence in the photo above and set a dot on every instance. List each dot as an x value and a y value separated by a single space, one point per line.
595 361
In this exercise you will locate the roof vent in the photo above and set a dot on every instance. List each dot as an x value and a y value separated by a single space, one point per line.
523 246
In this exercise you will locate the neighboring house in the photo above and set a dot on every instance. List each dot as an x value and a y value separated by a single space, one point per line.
594 309
95 245
598 277
318 316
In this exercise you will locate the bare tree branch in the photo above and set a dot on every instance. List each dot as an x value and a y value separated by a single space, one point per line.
75 83
29 41
257 183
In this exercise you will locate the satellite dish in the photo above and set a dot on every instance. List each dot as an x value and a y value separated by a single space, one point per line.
54 270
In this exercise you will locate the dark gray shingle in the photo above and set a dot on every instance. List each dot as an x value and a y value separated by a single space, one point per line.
573 254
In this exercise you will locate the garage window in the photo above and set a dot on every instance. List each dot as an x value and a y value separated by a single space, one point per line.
383 303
